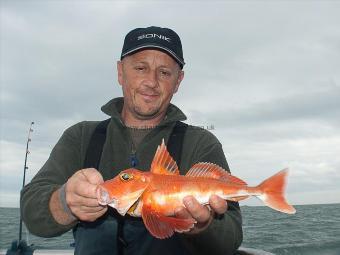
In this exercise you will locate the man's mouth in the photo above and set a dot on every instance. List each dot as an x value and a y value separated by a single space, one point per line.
149 96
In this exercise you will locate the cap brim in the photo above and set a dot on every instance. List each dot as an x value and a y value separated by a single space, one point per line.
149 45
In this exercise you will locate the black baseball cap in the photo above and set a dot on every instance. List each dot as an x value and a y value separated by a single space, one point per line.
163 39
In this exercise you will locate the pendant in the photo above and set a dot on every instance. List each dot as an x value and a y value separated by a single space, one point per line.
133 160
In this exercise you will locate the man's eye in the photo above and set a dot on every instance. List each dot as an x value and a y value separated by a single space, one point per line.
140 68
165 73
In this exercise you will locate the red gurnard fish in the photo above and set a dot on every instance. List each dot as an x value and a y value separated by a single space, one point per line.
155 195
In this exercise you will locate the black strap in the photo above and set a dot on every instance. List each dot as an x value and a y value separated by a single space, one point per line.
95 149
96 144
175 142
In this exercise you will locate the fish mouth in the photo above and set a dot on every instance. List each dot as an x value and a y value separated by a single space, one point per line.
104 198
132 209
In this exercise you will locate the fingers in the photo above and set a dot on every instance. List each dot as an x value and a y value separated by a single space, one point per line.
183 213
81 195
193 209
83 189
86 212
218 204
84 183
77 200
85 209
199 212
92 176
202 214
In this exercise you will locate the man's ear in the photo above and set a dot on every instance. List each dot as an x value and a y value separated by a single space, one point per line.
179 80
120 72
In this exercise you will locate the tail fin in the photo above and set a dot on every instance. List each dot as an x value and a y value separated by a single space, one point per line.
272 190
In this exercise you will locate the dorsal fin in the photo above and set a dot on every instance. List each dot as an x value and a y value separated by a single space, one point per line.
163 163
210 170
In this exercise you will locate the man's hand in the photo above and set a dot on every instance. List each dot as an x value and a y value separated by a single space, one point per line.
81 196
202 214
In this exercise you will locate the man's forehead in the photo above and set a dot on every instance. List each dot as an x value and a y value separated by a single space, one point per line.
151 55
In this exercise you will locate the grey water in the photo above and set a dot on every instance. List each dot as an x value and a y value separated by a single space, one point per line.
314 229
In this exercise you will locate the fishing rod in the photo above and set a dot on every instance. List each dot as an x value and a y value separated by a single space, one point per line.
24 177
20 247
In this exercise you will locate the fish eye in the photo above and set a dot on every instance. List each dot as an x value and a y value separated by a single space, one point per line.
125 176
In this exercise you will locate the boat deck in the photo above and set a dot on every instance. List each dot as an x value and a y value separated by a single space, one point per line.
242 251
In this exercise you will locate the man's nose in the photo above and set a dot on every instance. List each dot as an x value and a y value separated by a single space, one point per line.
152 79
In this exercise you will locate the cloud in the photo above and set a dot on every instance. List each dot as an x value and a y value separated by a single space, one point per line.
12 158
264 74
322 106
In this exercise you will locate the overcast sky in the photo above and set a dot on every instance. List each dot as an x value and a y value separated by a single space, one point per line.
264 74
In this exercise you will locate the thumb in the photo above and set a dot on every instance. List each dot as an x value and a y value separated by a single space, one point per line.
92 175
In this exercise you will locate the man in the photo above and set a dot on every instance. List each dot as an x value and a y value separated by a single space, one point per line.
62 195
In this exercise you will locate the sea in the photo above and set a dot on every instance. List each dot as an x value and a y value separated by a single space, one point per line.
313 230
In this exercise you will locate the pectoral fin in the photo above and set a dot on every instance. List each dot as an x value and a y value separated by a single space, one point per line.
161 226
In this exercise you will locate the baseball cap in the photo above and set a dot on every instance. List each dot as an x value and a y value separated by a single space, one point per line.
160 38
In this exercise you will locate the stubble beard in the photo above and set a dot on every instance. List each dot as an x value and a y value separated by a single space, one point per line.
142 115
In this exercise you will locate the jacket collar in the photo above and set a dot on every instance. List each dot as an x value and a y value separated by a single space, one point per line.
114 108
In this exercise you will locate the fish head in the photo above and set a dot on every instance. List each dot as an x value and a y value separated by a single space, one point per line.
124 190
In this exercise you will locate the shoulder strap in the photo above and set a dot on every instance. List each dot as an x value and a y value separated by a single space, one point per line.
175 142
96 144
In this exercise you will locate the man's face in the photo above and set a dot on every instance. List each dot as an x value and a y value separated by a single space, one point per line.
149 79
